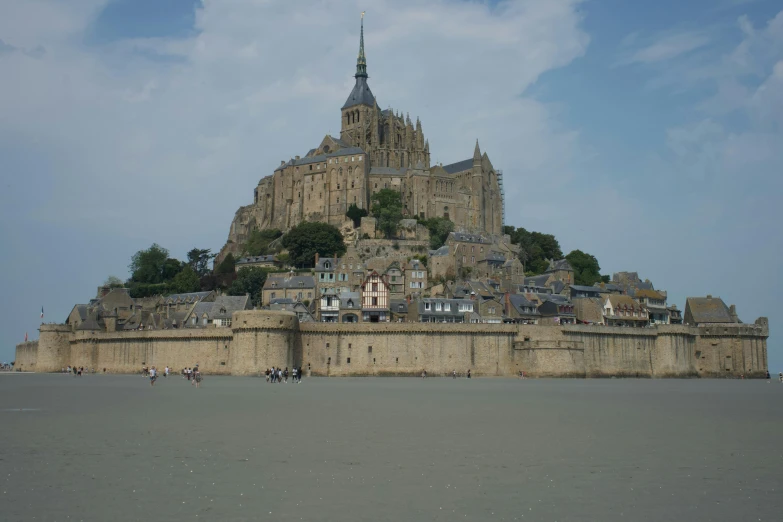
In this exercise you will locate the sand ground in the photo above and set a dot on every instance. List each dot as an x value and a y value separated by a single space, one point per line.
113 448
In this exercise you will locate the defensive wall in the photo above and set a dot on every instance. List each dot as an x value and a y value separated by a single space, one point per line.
260 339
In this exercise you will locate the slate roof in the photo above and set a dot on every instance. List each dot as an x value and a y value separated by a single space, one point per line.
495 257
398 306
708 310
624 301
320 266
360 95
82 309
344 150
460 166
557 286
89 324
442 251
560 264
189 296
257 259
519 302
286 281
650 294
350 296
539 280
387 171
469 238
453 308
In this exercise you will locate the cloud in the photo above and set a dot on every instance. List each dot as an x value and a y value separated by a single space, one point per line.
664 48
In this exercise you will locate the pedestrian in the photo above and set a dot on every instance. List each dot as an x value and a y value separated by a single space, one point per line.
198 378
454 374
285 374
300 374
279 375
153 376
293 374
468 373
780 377
267 374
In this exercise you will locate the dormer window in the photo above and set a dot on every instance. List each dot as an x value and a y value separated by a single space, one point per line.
327 265
301 284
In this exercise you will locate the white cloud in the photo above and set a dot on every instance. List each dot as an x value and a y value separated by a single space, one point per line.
663 48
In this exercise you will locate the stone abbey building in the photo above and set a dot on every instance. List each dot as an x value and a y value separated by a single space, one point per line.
376 149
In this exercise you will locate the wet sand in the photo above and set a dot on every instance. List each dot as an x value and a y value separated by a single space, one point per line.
113 448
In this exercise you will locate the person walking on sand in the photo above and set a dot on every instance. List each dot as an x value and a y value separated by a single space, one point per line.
300 375
454 374
197 377
468 373
279 375
153 376
293 374
285 374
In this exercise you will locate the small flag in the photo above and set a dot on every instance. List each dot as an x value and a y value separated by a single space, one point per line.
25 337
42 312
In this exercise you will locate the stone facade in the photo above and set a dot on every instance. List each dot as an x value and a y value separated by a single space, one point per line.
259 339
376 149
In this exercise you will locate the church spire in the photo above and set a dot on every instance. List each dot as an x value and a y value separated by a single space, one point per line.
477 154
361 61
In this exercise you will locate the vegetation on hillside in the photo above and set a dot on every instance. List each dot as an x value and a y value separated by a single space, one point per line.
386 207
309 238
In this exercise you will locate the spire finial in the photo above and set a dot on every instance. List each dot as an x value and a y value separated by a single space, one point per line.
361 61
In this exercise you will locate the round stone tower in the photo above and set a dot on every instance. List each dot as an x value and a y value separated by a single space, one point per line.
262 339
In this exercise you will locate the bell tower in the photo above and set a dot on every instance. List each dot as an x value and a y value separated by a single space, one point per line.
357 111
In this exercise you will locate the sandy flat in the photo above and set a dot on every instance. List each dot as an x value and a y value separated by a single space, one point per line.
113 448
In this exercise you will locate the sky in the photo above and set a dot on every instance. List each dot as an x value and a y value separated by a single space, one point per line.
649 134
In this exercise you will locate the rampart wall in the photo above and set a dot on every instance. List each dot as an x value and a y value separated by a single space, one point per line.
260 339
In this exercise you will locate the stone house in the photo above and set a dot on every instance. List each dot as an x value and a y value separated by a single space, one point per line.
395 277
623 310
350 307
375 299
440 310
416 281
288 286
520 308
268 261
709 310
398 308
655 302
579 291
216 313
489 310
589 310
556 310
328 306
302 312
675 315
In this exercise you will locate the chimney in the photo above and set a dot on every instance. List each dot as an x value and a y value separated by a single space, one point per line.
709 296
282 162
408 299
733 314
316 258
508 304
297 158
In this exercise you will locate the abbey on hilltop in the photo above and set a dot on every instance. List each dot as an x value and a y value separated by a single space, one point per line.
376 149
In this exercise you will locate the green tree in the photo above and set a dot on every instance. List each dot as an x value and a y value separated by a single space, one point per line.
198 260
387 209
186 280
113 281
439 228
172 267
258 241
250 280
356 214
536 248
308 238
147 265
228 264
586 268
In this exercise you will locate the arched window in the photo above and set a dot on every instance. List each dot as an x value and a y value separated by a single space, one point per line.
402 160
358 116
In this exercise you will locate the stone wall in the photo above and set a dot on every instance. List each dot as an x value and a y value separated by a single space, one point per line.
26 356
260 339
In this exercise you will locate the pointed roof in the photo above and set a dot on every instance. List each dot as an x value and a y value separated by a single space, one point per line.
361 93
477 152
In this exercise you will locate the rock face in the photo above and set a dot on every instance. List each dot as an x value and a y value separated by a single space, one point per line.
377 149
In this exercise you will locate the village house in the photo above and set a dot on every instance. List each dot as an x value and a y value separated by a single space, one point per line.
216 313
329 306
519 308
556 309
623 310
441 310
589 310
288 286
398 308
268 261
655 302
350 307
302 312
489 310
375 299
415 277
709 310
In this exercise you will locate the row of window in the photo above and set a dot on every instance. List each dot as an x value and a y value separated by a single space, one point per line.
446 307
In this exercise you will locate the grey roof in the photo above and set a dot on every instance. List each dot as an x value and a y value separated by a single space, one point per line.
82 309
708 310
539 280
442 251
281 301
557 286
257 259
399 306
494 256
519 301
89 324
320 266
286 281
460 166
360 95
560 264
555 298
453 311
469 238
197 296
355 299
344 150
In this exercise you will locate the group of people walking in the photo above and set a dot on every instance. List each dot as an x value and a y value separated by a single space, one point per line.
278 375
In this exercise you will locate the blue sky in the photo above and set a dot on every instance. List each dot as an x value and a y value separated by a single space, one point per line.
646 133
